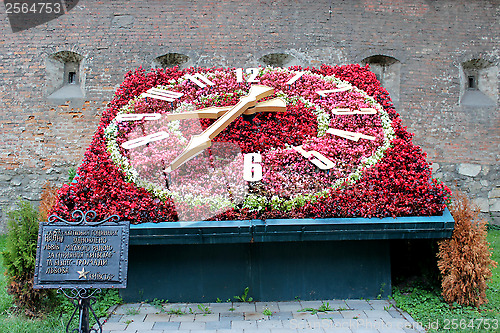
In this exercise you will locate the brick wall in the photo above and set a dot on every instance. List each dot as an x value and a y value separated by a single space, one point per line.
40 140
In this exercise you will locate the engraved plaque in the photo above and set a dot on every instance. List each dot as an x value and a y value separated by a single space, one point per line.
86 256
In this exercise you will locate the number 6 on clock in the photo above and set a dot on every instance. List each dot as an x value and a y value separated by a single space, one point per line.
252 169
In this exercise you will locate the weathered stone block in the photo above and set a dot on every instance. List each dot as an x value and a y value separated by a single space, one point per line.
495 193
439 175
495 218
483 204
495 205
474 187
435 167
122 21
17 181
31 196
5 178
485 170
471 170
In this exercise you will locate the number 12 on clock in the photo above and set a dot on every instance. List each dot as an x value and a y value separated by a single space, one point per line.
253 72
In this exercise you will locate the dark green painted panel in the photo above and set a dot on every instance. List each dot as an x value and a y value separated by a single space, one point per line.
272 271
287 230
183 273
277 259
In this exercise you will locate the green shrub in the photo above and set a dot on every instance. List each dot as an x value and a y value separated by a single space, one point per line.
19 257
71 174
5 298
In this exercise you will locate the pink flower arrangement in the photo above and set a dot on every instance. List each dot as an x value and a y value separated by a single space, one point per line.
387 176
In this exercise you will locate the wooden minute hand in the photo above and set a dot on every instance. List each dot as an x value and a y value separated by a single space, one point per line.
202 141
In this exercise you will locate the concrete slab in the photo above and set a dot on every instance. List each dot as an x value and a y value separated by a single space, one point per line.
358 304
166 326
356 316
157 317
138 326
262 324
183 318
192 326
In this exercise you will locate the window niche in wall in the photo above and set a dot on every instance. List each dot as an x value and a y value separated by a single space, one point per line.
478 83
388 72
278 60
65 79
171 60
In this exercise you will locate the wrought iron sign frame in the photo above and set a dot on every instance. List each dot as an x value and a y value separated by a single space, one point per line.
82 293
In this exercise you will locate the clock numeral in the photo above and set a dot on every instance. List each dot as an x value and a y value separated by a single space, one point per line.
323 93
239 75
144 140
315 158
164 95
295 78
252 169
194 78
253 72
349 135
138 116
349 111
253 76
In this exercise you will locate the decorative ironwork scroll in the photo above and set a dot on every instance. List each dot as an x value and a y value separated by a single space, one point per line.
82 299
83 218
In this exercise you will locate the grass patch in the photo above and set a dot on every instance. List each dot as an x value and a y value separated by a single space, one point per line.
55 316
426 306
324 307
5 298
11 320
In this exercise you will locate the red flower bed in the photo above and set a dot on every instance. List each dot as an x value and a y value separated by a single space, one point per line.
397 184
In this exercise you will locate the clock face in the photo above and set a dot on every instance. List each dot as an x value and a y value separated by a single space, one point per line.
214 140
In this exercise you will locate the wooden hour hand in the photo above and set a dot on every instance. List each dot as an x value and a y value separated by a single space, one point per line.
272 105
202 141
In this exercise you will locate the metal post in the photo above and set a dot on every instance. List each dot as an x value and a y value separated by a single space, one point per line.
82 299
84 315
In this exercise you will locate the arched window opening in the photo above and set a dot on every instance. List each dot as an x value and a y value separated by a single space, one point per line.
388 72
65 81
278 60
478 83
171 60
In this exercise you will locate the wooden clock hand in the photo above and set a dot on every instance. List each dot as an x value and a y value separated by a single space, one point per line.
323 93
202 141
353 136
272 105
343 111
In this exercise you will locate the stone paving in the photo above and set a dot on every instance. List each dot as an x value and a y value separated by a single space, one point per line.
343 316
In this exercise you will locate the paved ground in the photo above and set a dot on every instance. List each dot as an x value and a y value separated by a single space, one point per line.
349 316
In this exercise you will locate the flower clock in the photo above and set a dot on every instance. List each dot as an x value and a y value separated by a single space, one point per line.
213 144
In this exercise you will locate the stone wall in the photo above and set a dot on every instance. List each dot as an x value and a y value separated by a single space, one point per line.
42 135
480 182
